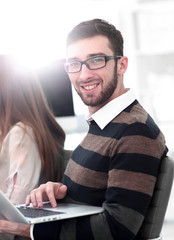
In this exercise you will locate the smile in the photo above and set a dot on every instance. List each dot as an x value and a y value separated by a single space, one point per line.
88 88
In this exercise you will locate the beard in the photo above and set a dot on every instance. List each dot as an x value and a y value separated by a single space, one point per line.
104 95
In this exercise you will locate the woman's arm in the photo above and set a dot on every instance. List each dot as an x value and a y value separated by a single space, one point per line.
24 164
14 228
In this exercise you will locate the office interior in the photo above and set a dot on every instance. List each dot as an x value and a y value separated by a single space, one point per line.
35 33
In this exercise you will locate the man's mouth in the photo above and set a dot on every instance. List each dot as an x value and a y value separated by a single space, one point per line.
90 87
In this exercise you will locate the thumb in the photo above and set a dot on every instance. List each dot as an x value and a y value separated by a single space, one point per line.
62 191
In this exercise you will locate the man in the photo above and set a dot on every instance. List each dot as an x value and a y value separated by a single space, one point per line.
117 163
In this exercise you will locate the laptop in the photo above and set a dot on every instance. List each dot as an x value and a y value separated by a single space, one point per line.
29 215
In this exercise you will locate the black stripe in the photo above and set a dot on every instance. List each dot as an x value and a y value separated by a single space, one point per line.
136 163
86 159
117 229
119 130
83 229
83 194
129 108
121 196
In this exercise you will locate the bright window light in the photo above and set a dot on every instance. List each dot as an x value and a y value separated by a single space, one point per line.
35 31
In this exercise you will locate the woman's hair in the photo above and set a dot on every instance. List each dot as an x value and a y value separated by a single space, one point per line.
22 100
96 27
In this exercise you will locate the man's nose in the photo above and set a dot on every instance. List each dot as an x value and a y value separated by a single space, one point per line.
85 72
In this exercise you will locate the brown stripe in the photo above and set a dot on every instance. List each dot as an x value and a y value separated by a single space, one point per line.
139 182
141 145
98 144
137 114
86 177
129 144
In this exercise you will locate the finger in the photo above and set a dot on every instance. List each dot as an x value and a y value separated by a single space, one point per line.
39 197
50 191
28 200
62 192
34 196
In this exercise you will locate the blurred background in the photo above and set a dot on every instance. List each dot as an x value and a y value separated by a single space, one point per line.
34 33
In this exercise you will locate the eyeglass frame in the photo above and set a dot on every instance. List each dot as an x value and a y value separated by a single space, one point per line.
107 58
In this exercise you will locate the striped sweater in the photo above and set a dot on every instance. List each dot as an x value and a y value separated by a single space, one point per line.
115 168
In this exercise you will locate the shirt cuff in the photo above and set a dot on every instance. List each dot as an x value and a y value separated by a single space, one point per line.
31 231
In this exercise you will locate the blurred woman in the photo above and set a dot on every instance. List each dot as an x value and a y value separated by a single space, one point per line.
31 141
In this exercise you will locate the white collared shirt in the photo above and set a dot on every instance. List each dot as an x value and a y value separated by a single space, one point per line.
108 112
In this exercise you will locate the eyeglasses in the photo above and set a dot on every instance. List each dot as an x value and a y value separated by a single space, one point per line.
92 63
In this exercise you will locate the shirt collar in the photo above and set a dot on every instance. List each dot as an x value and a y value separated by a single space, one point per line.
108 112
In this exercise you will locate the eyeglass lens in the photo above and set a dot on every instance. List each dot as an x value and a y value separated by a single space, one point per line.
92 63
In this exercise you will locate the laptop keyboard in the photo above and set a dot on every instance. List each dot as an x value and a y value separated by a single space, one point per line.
36 212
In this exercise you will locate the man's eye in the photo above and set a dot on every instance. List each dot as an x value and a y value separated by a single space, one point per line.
98 60
74 64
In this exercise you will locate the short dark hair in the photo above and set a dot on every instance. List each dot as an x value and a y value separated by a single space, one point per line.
96 27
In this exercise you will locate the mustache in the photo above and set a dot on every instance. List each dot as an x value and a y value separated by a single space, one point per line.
90 81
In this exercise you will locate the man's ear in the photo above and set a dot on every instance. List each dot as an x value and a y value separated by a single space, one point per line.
122 65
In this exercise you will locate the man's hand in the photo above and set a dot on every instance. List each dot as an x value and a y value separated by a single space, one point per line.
49 191
14 228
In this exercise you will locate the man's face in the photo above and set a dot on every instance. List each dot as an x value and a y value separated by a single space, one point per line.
95 87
